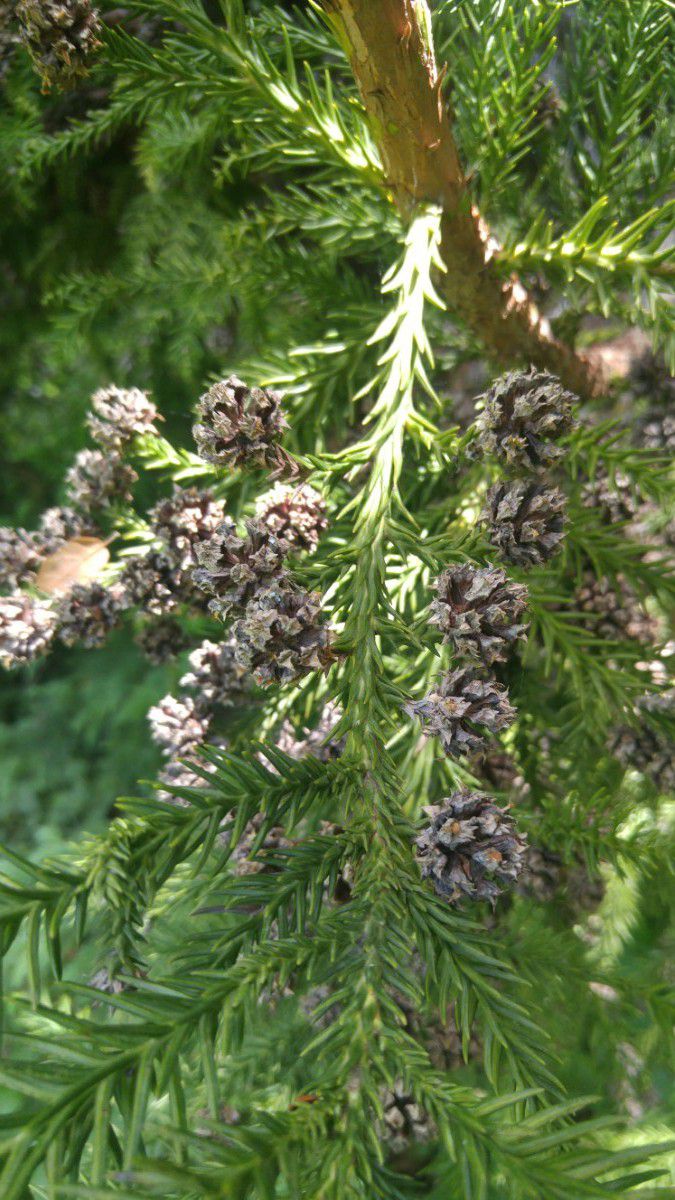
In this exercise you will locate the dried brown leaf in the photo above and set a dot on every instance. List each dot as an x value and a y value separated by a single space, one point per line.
79 560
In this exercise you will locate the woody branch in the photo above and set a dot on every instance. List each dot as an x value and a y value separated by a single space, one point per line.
393 60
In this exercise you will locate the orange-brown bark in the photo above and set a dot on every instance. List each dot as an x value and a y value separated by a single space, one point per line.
400 87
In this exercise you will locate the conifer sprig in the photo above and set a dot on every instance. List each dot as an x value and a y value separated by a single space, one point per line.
394 415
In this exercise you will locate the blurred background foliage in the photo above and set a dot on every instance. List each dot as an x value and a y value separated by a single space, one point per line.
74 732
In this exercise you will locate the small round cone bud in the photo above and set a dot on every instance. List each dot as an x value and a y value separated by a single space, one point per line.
233 569
183 520
611 610
525 521
646 748
161 640
27 628
295 515
119 414
478 610
104 982
464 712
153 583
471 848
214 677
97 478
177 727
87 613
185 774
658 433
404 1123
613 498
20 554
317 742
181 775
523 413
239 426
501 772
61 37
281 637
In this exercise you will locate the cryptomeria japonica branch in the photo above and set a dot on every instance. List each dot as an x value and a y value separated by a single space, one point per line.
390 47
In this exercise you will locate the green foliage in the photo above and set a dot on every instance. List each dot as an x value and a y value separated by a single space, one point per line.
89 721
211 202
565 114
